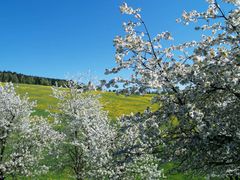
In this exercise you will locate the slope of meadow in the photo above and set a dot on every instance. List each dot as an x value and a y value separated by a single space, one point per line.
116 105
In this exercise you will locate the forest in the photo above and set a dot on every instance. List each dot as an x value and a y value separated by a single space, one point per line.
8 76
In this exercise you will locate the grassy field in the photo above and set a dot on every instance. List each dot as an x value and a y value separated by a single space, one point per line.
116 105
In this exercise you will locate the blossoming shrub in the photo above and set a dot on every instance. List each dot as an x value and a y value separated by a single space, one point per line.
88 133
24 140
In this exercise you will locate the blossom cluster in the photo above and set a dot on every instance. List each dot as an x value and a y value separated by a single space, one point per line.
88 134
23 138
198 83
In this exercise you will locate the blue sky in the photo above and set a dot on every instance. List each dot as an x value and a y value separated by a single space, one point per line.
54 38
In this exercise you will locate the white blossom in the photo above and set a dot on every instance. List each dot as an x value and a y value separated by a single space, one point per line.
24 139
199 86
88 133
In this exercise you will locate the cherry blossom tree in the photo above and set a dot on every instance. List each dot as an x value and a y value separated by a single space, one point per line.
24 140
135 153
88 134
198 83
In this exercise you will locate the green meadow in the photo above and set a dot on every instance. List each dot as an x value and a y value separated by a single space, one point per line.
116 105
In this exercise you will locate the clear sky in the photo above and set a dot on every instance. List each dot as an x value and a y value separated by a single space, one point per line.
54 38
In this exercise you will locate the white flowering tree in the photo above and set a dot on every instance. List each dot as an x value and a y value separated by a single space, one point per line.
88 134
24 140
198 83
135 155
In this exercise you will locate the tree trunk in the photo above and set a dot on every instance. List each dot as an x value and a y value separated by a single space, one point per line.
79 177
234 177
2 176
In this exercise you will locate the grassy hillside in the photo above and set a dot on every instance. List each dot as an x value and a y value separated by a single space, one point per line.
116 105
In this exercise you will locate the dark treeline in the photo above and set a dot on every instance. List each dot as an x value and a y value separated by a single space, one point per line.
8 76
